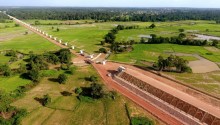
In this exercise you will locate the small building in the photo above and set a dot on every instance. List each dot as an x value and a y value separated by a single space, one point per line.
55 38
104 62
73 47
81 52
66 44
60 41
51 36
121 69
46 34
91 56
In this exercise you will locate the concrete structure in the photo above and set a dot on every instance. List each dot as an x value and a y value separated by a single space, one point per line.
104 62
187 111
81 52
91 56
60 41
121 69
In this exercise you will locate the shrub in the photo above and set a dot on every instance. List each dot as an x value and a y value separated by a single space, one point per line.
102 50
96 91
62 78
72 70
46 100
34 75
64 67
93 78
78 90
11 53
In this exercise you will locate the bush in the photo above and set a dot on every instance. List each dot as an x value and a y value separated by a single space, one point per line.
46 100
6 70
96 91
11 53
62 78
93 78
72 70
34 75
78 90
102 50
64 67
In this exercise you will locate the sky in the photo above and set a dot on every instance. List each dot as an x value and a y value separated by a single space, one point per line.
114 3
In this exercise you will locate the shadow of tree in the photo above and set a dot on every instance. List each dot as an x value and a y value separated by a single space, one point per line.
40 100
53 79
66 93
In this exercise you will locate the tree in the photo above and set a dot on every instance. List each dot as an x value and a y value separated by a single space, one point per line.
181 30
58 29
152 26
11 53
142 40
62 78
96 90
182 35
22 68
46 100
160 63
6 70
102 50
93 78
34 75
110 38
5 101
214 42
65 55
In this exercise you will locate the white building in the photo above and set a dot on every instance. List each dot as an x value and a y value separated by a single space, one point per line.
104 62
73 47
81 52
60 41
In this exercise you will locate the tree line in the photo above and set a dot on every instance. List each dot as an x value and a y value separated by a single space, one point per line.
116 14
173 63
181 40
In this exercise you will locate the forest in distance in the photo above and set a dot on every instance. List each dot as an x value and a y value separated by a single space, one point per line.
114 14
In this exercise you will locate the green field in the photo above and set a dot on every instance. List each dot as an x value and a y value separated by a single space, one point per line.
9 84
28 43
68 109
208 82
150 52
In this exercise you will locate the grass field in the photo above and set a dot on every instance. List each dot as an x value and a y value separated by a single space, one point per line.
150 52
9 84
69 110
209 82
28 43
85 36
